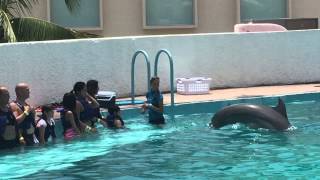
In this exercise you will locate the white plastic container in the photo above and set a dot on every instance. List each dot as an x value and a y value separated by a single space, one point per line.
194 85
106 98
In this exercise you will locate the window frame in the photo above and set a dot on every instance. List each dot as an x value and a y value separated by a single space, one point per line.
178 26
289 10
93 28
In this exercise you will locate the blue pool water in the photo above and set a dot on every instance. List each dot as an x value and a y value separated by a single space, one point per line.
185 148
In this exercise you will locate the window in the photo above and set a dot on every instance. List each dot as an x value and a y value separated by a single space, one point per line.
169 14
262 9
87 17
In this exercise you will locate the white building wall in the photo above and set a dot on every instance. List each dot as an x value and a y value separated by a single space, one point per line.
230 59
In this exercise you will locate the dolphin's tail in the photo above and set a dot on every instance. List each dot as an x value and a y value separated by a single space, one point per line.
281 108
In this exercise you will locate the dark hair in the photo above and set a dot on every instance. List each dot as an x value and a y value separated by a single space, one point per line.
45 108
92 87
69 101
154 78
113 109
78 86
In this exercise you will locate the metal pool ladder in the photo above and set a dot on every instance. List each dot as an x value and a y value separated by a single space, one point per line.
171 71
146 56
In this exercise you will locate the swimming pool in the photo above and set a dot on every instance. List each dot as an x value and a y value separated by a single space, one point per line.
185 148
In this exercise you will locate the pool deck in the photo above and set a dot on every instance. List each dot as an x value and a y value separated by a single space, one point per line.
234 93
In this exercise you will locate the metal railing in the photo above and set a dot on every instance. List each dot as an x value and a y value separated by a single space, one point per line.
146 56
171 71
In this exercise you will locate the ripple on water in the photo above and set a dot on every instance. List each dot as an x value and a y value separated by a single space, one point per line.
185 148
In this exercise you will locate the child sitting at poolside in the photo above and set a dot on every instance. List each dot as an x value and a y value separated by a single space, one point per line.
45 126
114 119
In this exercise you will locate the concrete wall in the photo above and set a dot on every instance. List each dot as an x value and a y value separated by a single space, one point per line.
124 17
231 60
305 9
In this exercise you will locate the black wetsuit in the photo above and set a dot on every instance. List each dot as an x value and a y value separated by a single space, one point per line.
7 120
26 124
88 114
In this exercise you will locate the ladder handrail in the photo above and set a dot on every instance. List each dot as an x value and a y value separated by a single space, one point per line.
171 71
146 56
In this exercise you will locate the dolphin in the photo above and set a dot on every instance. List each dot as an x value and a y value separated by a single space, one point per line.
258 116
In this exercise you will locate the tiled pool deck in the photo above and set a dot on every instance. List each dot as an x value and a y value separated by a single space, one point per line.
233 93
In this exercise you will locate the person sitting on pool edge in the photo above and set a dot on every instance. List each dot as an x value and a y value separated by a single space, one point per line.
114 119
154 103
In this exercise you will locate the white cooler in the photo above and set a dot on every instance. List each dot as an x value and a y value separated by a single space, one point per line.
106 98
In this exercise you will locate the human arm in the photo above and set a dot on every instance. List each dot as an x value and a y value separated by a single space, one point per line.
53 132
144 107
102 122
155 108
86 128
41 125
18 113
118 123
79 109
21 139
69 117
41 134
158 100
93 102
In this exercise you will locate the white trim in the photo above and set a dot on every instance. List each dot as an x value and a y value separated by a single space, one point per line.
178 26
289 10
97 28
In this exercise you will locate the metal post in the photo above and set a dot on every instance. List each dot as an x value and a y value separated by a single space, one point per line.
132 71
171 71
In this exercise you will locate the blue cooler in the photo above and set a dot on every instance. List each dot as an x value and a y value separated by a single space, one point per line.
106 98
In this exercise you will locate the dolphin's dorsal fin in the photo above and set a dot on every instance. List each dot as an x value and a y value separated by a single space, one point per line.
281 108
